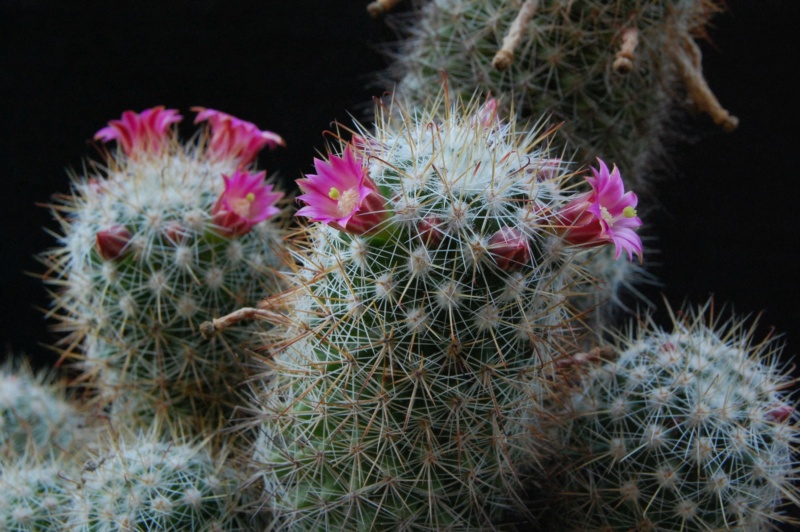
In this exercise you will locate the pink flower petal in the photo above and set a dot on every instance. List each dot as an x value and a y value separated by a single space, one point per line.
233 138
139 133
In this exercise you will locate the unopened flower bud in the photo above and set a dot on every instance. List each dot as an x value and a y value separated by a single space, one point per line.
429 229
780 412
509 249
112 243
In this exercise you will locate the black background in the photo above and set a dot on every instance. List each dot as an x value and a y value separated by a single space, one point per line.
726 223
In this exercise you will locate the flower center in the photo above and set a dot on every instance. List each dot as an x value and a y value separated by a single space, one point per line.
241 206
346 202
606 215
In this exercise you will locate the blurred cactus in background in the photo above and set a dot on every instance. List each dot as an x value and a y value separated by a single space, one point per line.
36 417
609 73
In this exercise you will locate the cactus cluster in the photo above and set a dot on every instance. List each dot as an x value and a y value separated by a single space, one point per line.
161 237
609 72
687 429
416 319
413 368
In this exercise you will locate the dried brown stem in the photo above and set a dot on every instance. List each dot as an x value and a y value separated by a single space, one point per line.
623 61
689 57
379 7
210 328
505 56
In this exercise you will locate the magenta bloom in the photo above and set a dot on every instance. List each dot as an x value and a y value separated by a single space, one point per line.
145 132
234 138
509 249
607 214
342 194
246 201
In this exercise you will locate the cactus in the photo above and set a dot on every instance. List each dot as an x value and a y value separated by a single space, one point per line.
160 238
36 418
610 72
674 430
145 482
34 495
434 289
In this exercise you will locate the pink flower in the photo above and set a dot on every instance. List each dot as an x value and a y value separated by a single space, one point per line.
509 249
246 201
234 138
112 243
342 194
607 214
145 132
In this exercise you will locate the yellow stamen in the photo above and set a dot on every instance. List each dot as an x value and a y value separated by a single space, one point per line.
241 206
250 197
348 203
606 215
334 193
629 212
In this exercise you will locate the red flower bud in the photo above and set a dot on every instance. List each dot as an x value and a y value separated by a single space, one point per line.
509 248
112 243
429 230
780 413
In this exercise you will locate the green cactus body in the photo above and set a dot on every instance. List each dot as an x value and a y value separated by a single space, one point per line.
35 416
399 381
566 66
142 264
685 430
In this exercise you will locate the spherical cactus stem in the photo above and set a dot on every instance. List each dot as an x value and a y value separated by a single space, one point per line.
623 61
505 56
688 58
381 7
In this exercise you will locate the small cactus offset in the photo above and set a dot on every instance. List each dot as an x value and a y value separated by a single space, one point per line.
34 495
688 429
143 481
36 417
160 238
610 71
436 286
